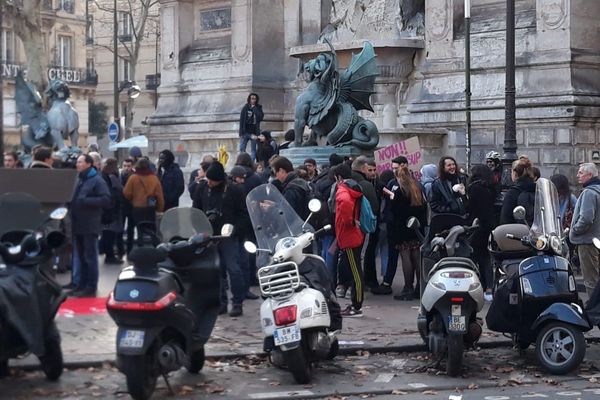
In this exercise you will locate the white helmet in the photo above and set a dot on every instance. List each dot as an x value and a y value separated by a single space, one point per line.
492 155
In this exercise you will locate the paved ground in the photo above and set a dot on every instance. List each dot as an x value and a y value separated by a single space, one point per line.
493 374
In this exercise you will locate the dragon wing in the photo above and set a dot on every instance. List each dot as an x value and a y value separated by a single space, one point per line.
28 100
357 82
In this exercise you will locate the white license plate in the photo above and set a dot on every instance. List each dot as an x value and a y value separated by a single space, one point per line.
132 339
456 323
289 334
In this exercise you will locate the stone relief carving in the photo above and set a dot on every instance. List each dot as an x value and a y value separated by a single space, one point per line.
553 13
438 18
168 38
212 20
241 30
375 19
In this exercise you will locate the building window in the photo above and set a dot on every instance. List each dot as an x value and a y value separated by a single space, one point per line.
125 70
65 44
89 30
47 5
8 46
125 26
67 6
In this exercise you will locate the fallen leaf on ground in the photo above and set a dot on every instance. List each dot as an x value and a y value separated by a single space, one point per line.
429 392
399 392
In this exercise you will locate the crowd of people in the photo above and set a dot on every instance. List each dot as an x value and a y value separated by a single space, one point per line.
110 201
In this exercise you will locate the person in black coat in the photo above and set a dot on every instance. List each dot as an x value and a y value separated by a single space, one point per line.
252 179
448 191
266 147
295 190
224 203
171 179
521 193
481 194
250 119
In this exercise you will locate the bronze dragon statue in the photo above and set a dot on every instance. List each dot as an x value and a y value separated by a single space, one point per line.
329 105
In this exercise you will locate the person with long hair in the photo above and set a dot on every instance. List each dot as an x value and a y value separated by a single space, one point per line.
566 199
521 193
448 191
481 194
112 222
407 201
250 119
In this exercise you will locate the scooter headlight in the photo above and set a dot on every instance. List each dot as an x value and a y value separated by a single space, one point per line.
526 286
541 243
556 245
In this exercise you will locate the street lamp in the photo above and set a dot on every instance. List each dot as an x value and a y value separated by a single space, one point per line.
468 80
133 90
510 118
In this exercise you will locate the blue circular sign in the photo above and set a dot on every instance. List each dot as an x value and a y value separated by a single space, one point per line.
113 131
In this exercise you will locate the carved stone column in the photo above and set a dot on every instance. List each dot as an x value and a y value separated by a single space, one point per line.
439 28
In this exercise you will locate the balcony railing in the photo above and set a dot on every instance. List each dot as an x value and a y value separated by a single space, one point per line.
152 81
125 37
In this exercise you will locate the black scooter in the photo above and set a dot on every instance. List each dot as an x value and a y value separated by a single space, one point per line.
29 295
536 300
167 303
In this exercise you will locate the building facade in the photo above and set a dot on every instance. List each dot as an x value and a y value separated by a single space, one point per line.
64 30
145 72
217 51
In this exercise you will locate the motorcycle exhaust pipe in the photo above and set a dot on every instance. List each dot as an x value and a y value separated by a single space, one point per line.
170 357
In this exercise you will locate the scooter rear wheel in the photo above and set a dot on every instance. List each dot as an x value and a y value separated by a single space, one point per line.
52 361
455 355
141 373
298 364
560 347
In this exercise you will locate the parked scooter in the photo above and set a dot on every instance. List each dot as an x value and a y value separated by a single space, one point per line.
167 303
29 296
451 293
538 300
300 316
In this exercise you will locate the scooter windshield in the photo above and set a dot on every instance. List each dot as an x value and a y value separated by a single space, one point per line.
19 212
546 218
272 219
183 223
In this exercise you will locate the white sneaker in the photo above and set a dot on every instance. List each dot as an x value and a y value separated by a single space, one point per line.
487 296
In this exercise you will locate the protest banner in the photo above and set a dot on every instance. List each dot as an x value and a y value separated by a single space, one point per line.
409 148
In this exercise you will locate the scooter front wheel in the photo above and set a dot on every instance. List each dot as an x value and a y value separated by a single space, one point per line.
298 364
141 373
52 361
560 347
455 354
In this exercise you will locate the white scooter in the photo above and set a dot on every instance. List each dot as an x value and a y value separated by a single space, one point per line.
295 316
451 293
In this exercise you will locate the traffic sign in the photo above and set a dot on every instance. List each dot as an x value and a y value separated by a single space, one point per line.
113 131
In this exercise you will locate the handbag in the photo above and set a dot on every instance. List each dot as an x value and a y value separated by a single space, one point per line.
151 201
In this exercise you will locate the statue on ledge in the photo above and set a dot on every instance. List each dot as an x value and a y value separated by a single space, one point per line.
329 105
51 128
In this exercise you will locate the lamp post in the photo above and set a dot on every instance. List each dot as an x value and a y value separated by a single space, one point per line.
1 93
468 80
510 118
116 66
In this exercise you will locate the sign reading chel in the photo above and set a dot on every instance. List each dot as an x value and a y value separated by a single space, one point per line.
68 75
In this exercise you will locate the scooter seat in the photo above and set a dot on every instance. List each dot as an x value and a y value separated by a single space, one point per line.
457 262
510 246
146 257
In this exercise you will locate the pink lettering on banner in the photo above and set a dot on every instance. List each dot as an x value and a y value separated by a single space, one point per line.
409 148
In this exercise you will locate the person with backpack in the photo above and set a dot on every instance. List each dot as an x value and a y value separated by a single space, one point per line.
349 235
295 190
112 222
406 200
521 193
363 172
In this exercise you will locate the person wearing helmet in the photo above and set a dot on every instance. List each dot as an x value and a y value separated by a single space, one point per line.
493 162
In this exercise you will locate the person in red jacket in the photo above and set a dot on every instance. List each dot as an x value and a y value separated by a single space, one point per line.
349 236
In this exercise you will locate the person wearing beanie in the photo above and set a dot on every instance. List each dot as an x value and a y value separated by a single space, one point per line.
335 159
238 174
224 203
171 179
135 153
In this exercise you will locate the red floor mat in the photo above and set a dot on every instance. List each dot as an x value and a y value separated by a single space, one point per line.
82 306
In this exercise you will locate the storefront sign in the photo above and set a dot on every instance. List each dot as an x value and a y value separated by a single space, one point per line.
10 71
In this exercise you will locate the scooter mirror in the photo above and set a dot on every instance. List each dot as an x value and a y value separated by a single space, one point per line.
59 213
475 222
227 230
596 242
314 205
519 213
250 247
413 223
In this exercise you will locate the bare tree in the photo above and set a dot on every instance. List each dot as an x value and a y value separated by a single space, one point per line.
144 23
27 24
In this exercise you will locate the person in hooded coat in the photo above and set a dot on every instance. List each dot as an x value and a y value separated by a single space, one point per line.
171 179
428 175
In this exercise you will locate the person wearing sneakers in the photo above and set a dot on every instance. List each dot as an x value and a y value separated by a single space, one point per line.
350 237
406 201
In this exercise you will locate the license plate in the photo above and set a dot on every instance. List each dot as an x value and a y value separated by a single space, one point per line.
456 323
132 339
289 334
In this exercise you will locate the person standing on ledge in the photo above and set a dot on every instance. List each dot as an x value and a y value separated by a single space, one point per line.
250 119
